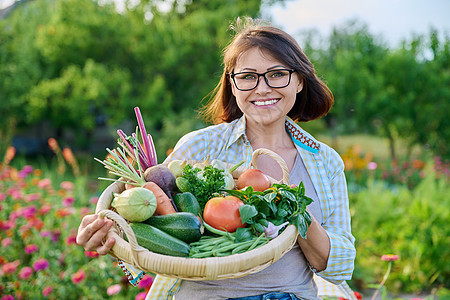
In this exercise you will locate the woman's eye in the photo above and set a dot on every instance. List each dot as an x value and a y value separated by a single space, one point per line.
247 76
276 74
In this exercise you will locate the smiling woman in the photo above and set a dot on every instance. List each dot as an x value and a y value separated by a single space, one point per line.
267 86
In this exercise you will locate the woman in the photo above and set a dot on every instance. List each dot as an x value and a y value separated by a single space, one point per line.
267 85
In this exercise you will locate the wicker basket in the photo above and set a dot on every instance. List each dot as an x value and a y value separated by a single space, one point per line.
211 268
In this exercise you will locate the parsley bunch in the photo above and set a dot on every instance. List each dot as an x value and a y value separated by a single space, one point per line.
203 184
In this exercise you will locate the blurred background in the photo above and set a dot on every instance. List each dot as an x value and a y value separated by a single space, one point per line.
71 72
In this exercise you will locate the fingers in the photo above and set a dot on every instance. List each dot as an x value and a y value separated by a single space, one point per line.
92 233
104 249
293 186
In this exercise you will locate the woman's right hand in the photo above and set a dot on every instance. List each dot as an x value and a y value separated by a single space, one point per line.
92 232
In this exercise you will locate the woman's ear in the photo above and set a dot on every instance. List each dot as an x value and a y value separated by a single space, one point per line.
300 86
233 87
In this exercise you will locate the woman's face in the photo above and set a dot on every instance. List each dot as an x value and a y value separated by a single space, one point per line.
264 105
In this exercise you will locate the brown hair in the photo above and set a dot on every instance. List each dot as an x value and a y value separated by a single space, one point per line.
313 102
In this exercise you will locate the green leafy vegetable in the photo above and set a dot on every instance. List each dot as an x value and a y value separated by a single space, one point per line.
203 183
278 204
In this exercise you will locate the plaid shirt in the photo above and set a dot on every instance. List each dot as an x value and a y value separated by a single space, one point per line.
228 142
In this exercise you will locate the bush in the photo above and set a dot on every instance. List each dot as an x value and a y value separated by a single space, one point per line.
412 223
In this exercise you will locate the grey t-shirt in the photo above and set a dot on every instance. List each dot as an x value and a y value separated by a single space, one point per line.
290 274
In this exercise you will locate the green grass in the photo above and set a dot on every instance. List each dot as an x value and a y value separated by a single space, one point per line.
377 146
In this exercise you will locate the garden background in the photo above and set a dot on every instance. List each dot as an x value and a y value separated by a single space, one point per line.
71 72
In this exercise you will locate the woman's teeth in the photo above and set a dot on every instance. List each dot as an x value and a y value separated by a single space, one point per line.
266 102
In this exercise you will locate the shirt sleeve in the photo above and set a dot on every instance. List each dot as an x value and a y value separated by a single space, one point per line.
163 288
341 259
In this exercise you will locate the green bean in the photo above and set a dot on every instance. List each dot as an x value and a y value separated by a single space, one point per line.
256 242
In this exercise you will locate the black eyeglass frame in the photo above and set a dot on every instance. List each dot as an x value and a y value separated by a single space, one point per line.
233 75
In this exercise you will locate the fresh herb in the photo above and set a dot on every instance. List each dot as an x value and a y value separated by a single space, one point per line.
204 184
278 204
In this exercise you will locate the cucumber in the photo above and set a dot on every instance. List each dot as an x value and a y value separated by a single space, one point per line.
158 241
186 202
182 184
182 225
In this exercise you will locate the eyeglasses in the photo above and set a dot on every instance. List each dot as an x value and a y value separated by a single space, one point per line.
246 81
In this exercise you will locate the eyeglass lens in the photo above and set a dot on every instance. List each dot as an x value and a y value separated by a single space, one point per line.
274 78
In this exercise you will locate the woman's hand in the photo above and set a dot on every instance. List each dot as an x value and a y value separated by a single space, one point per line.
92 232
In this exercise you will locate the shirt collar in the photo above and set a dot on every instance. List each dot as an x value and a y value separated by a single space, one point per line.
300 137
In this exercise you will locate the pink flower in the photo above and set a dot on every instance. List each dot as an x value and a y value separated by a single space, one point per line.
31 248
5 225
85 211
78 276
7 297
91 254
145 282
71 239
28 212
25 273
10 267
141 296
6 242
389 257
45 233
45 209
2 196
67 185
41 264
68 201
93 200
372 165
32 197
26 170
46 291
44 183
55 235
114 289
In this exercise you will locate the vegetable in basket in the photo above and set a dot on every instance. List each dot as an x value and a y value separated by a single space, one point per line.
135 205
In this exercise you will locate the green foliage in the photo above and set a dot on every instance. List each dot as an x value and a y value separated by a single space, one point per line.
72 61
397 93
409 223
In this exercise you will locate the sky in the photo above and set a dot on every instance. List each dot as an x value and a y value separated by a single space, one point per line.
394 20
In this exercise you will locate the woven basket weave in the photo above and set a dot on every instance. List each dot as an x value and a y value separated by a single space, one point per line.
211 268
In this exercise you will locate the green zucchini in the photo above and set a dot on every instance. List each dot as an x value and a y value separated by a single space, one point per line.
186 202
182 225
159 241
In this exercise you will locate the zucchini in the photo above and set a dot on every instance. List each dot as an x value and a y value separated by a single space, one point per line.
186 202
158 241
182 225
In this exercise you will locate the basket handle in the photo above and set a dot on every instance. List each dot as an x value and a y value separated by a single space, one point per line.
122 224
276 157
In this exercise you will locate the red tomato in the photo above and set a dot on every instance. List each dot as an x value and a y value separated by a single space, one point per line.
254 178
223 213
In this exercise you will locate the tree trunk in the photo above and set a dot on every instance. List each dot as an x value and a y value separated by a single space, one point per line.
391 143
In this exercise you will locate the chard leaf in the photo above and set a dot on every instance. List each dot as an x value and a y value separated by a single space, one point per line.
243 234
247 212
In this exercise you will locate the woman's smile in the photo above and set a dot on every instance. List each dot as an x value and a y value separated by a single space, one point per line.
265 103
